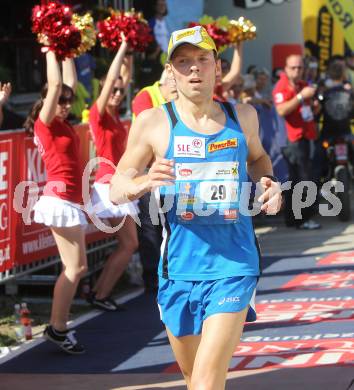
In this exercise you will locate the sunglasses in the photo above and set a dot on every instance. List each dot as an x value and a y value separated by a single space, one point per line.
120 90
64 100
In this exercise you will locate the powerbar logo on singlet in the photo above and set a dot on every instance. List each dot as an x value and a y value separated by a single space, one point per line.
220 145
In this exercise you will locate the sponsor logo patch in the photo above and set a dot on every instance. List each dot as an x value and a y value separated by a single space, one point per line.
187 216
185 172
231 214
220 145
185 146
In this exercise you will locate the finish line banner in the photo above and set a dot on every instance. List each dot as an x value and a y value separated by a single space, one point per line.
323 35
343 12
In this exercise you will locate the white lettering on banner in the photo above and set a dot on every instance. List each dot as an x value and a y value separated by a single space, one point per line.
309 312
257 3
4 156
3 216
225 170
321 281
307 353
35 170
4 254
258 339
185 146
306 299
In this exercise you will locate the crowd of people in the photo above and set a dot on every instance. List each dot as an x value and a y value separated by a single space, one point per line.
210 101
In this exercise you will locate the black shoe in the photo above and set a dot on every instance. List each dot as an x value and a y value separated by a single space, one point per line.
106 304
65 340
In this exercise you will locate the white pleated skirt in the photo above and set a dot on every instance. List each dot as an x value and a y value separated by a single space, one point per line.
104 208
52 211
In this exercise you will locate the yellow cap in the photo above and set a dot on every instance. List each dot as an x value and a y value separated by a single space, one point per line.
196 36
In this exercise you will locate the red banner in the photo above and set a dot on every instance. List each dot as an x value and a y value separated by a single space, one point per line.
7 177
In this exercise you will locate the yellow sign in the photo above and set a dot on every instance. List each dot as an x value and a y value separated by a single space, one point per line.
343 12
323 36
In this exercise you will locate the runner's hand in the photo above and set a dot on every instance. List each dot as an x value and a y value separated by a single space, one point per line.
161 173
271 197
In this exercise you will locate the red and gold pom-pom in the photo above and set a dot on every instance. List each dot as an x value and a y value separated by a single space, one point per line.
87 30
219 35
52 23
132 24
241 30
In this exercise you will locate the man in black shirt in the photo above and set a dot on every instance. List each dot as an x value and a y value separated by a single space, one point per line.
338 103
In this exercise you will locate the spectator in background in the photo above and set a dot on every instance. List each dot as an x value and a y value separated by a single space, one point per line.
294 100
262 84
110 137
150 234
151 66
311 73
160 92
9 120
159 27
349 60
85 66
230 73
338 103
276 75
249 93
60 206
251 69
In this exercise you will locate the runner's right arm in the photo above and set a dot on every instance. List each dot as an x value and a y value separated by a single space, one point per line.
129 181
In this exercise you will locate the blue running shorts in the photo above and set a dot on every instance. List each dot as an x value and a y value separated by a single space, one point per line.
184 305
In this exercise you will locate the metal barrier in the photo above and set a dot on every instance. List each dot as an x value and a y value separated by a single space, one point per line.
23 274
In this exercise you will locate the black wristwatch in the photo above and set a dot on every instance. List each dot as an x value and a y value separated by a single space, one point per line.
272 178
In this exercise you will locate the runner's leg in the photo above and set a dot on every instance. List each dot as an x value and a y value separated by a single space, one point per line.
221 334
185 349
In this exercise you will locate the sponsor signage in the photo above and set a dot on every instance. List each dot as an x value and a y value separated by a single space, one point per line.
258 3
221 170
338 258
307 352
6 177
343 13
221 145
325 281
314 311
323 36
185 146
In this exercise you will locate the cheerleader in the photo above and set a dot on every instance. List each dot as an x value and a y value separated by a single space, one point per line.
110 138
60 206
